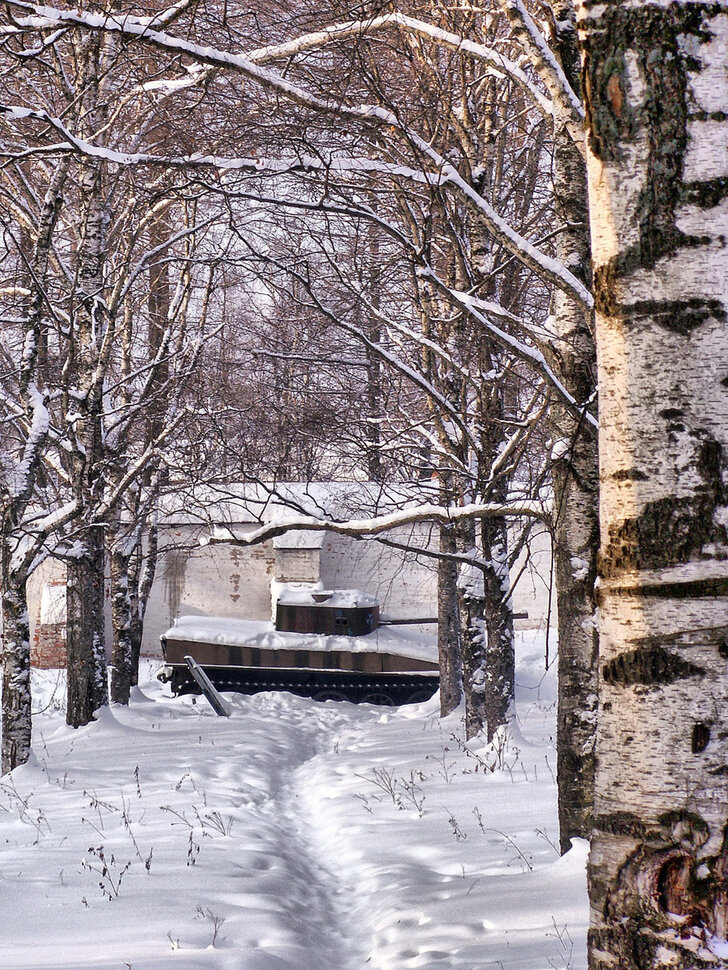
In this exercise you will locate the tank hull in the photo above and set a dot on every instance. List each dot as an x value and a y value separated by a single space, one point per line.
386 689
249 657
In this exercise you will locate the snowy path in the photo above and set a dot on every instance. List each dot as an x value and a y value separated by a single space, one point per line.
293 836
210 804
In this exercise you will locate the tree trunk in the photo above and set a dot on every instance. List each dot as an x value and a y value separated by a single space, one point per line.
448 639
131 583
89 350
486 629
140 594
472 633
657 102
122 659
16 720
575 476
85 631
499 658
16 700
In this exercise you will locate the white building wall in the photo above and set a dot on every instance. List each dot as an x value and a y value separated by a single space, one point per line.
194 580
404 584
535 589
235 582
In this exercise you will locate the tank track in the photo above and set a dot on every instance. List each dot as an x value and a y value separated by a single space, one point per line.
385 689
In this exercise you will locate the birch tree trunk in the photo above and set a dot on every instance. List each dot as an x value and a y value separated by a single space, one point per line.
122 660
656 93
17 488
472 633
87 689
448 629
16 730
499 658
84 409
486 629
140 591
575 474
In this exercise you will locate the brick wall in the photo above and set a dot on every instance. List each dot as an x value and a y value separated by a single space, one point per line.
48 646
47 614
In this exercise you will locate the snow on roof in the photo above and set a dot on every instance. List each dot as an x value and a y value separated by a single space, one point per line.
261 502
257 633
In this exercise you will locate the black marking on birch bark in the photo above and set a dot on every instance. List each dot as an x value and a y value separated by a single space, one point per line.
667 532
719 116
672 530
629 475
695 638
648 667
621 823
651 34
700 738
678 316
705 195
723 649
687 589
684 828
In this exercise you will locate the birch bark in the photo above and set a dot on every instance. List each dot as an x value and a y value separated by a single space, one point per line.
84 413
656 96
499 659
448 629
16 728
17 489
87 689
119 552
140 590
575 471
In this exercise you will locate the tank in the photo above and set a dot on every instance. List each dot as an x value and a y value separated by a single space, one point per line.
326 644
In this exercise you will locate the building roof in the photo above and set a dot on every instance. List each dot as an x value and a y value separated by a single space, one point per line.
264 502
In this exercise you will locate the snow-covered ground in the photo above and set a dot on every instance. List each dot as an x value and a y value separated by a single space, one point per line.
292 836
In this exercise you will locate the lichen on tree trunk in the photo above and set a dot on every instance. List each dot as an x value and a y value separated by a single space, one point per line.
657 107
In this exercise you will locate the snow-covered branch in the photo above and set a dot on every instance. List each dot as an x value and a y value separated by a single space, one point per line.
443 173
19 484
497 62
566 104
518 348
367 528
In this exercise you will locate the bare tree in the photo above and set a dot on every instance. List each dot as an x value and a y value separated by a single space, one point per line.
113 394
28 496
404 147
